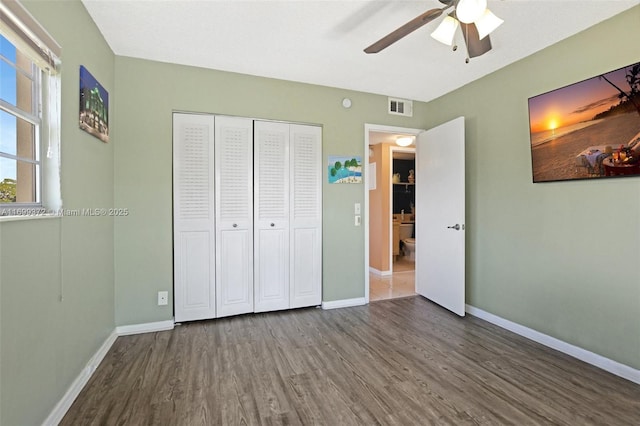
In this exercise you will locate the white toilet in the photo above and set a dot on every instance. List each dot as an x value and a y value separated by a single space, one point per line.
406 230
410 248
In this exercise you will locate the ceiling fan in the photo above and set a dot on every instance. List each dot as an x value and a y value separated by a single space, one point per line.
473 17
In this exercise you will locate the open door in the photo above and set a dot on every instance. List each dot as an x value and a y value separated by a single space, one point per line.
440 214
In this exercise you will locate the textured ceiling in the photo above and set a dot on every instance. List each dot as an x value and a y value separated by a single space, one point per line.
321 42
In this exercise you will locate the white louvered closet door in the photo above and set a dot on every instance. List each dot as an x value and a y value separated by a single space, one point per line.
271 216
234 215
193 217
305 216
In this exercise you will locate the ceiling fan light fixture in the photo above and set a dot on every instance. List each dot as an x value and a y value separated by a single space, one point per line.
404 141
446 31
487 23
468 11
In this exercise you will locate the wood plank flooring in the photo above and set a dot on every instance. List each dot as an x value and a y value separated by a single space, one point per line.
395 362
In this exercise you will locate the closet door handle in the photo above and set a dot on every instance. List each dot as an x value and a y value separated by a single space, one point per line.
273 224
235 225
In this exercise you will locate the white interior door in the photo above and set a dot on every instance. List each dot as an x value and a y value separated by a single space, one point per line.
440 215
271 216
193 217
234 215
305 175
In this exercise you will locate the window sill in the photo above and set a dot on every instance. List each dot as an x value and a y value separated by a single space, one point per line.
28 217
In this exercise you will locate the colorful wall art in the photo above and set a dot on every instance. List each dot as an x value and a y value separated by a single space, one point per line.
94 106
345 169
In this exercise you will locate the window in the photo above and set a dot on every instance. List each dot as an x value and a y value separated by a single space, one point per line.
29 115
20 123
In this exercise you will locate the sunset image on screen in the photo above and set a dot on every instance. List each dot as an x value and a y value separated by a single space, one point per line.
574 130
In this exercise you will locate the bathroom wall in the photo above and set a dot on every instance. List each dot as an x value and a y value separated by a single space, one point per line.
403 166
404 196
380 210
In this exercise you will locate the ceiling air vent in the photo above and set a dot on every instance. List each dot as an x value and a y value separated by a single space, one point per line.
400 107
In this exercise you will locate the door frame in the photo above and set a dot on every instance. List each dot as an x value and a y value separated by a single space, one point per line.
369 127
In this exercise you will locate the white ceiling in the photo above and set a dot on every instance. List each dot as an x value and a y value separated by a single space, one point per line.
322 42
376 137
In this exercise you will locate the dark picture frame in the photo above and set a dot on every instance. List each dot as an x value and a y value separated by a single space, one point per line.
94 106
587 130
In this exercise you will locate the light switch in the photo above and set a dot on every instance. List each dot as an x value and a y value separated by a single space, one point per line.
356 208
357 221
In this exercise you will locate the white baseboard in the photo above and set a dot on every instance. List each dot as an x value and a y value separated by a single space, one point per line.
78 384
613 367
344 303
378 272
149 327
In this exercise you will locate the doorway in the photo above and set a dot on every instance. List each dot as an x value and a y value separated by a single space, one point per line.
388 271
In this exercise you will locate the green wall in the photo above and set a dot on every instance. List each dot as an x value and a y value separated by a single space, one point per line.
56 275
560 257
148 92
538 255
556 257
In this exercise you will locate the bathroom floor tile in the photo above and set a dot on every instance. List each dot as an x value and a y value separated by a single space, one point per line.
399 284
402 265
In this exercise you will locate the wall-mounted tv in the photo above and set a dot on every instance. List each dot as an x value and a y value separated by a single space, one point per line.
589 129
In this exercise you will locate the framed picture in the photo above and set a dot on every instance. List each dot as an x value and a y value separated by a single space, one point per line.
589 129
94 106
342 169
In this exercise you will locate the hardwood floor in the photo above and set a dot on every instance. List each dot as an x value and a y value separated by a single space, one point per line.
396 362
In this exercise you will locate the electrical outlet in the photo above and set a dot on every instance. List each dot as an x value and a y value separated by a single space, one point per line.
163 298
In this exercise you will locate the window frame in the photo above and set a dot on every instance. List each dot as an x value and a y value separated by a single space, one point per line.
31 40
34 117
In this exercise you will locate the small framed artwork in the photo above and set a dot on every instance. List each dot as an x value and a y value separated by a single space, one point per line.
343 169
94 106
589 129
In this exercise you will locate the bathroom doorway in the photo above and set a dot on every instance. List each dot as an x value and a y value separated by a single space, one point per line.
403 191
390 222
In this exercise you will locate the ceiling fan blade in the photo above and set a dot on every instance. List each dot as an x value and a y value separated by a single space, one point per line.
405 30
475 46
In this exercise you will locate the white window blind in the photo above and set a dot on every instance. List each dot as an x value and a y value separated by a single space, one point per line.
21 29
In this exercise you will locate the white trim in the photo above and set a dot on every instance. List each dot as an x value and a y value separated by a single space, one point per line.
13 218
78 384
344 303
149 327
381 273
368 127
613 367
365 216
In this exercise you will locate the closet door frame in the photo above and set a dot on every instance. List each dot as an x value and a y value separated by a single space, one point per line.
230 260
